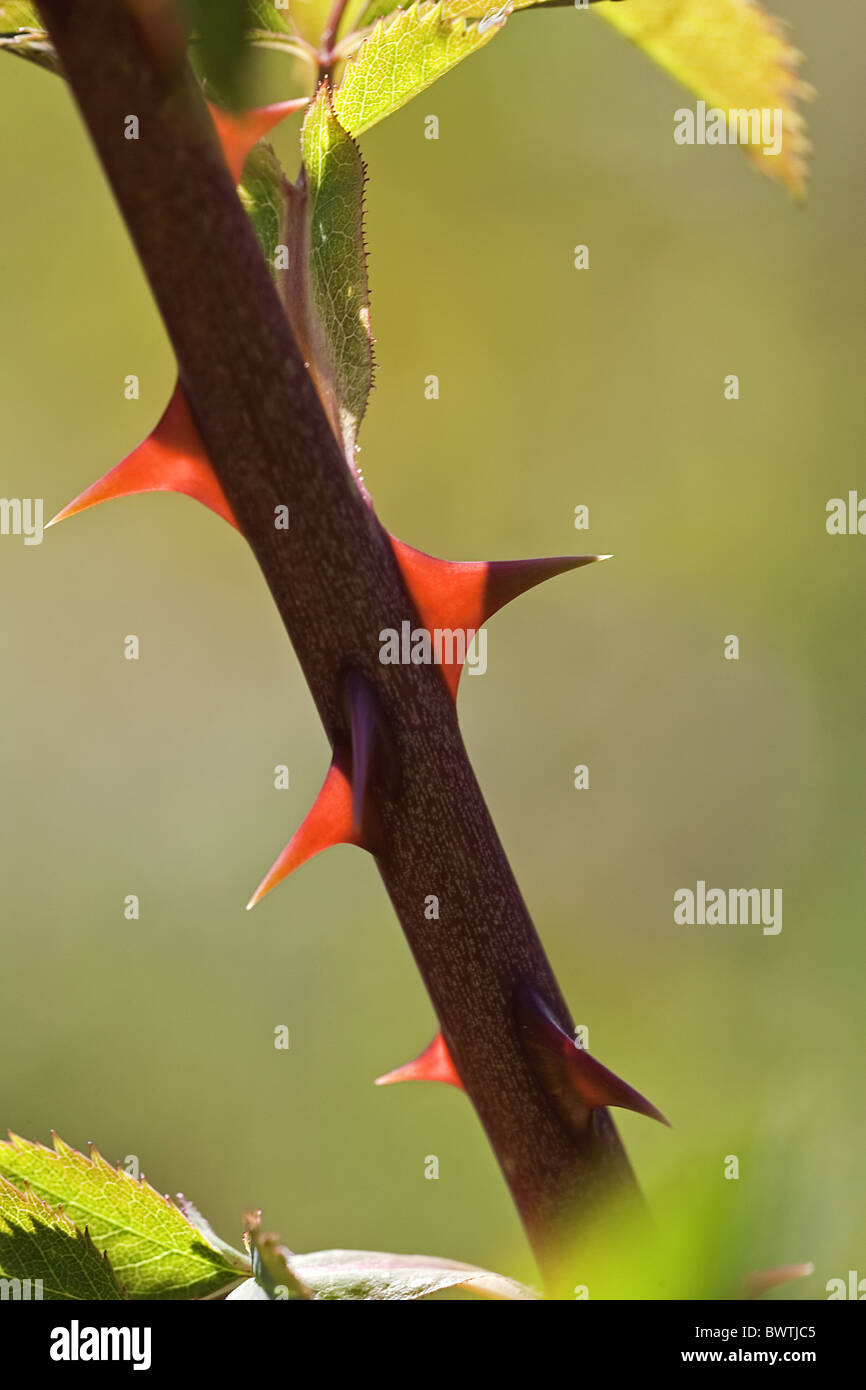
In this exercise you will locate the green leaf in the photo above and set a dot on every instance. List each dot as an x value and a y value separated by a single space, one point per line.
278 42
451 9
264 192
156 1252
233 1257
732 54
37 1243
401 57
735 56
223 57
318 229
15 14
263 14
370 1274
22 34
269 27
279 28
337 333
466 9
377 9
312 239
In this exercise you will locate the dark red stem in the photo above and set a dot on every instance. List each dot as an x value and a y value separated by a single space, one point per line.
336 584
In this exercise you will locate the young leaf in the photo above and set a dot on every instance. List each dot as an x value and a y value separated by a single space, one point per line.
264 193
17 14
370 1274
337 294
378 9
312 238
735 56
155 1251
281 21
38 1243
22 34
732 54
322 274
264 15
201 1223
402 56
269 27
469 9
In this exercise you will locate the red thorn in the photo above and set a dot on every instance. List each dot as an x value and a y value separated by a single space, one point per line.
434 1064
463 594
508 579
576 1082
171 459
329 822
239 132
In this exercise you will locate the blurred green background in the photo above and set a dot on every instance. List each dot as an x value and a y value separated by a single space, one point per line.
558 387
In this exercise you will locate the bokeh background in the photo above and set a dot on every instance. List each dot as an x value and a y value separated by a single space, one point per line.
558 387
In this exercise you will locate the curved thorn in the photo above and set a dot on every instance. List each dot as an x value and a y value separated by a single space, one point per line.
508 579
575 1081
172 459
330 821
433 1064
463 594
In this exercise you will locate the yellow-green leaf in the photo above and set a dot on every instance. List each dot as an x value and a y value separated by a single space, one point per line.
43 1255
734 56
401 56
303 17
17 14
469 9
268 27
336 292
22 33
155 1251
264 192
